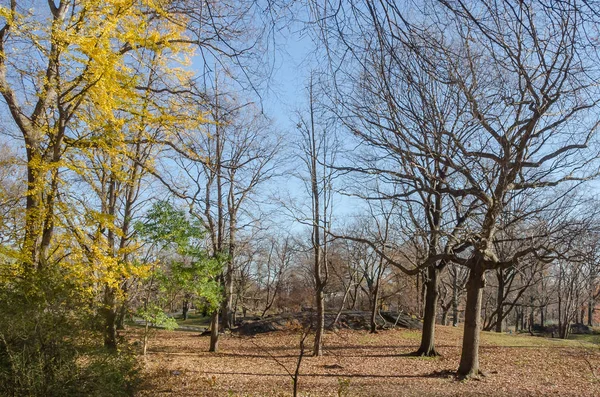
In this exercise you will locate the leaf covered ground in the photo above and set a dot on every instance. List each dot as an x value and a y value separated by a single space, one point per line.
357 363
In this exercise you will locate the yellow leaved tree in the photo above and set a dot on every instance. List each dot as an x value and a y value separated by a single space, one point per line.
93 88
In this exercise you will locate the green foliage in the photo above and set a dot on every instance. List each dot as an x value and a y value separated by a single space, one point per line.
49 345
190 270
153 314
165 226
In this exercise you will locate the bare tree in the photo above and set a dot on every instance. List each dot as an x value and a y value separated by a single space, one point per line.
528 124
277 261
317 146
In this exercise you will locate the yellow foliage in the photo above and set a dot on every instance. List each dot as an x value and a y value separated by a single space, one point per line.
106 53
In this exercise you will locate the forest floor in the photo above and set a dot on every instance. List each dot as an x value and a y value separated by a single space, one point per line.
357 363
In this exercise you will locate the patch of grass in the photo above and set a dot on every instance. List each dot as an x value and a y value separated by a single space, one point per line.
591 338
194 319
523 340
411 334
368 338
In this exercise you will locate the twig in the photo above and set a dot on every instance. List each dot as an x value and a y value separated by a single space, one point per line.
296 374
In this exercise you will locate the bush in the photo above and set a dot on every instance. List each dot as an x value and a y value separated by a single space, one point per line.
50 344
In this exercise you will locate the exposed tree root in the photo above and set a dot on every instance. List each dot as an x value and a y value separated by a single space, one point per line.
473 375
426 353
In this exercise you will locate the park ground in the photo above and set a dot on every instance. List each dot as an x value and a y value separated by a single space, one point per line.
357 363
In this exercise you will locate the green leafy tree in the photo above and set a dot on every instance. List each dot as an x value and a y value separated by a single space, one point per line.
181 264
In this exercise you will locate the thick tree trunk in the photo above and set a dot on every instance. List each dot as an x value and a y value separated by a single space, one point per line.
469 360
427 347
214 332
225 310
110 317
590 314
121 316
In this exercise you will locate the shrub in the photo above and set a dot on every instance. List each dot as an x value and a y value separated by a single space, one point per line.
50 344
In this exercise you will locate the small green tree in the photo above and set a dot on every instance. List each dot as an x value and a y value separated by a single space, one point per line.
180 264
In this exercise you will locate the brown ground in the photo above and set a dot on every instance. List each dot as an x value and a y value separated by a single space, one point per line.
360 364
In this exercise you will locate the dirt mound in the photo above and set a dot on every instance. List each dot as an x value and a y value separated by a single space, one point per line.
355 320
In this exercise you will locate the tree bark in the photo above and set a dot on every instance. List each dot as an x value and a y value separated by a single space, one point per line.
427 347
184 309
319 258
121 316
469 360
214 332
320 326
227 310
373 323
445 317
455 300
110 316
500 300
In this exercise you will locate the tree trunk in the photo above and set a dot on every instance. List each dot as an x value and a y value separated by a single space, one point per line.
500 300
427 347
214 332
564 330
455 300
373 323
145 338
445 317
110 317
531 315
560 325
590 315
121 316
339 313
185 308
227 309
320 326
469 360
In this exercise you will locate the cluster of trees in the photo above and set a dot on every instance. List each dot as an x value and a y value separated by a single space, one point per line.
103 102
481 119
139 176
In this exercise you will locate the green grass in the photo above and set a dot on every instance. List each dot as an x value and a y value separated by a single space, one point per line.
411 334
195 320
524 340
592 339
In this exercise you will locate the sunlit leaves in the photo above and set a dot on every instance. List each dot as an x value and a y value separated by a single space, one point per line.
185 263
